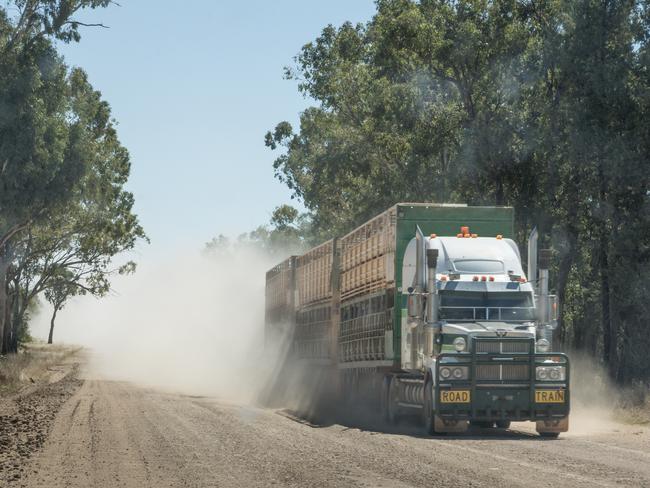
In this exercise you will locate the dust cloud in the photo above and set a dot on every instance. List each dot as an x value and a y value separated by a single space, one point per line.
594 398
189 323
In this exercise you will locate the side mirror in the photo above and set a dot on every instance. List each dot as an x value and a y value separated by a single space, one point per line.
414 306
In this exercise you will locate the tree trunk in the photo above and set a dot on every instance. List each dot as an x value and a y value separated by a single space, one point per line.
610 332
499 192
49 337
14 304
564 270
7 336
4 323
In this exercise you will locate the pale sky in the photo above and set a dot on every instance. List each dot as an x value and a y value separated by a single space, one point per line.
194 89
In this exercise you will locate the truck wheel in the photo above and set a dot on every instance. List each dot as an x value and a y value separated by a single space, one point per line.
552 428
385 385
550 435
427 412
482 424
392 408
503 424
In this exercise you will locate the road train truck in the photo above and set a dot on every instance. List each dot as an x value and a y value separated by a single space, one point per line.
427 311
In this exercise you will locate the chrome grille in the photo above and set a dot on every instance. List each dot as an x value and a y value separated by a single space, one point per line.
514 372
503 347
502 372
493 347
488 372
515 346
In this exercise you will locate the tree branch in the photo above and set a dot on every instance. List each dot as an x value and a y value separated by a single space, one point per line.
83 24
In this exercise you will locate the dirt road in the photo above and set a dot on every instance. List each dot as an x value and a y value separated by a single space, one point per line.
113 434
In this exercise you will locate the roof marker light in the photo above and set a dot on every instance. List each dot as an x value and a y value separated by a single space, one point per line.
491 278
474 236
475 278
464 230
443 278
432 236
483 278
499 237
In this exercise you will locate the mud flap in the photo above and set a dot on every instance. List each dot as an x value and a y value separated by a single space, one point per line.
552 426
449 426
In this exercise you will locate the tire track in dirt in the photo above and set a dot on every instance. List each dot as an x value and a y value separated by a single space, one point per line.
26 421
114 434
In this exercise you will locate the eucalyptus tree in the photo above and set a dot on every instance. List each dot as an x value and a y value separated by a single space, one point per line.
539 105
58 149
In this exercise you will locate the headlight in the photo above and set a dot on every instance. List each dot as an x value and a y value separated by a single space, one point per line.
460 344
456 373
543 345
550 373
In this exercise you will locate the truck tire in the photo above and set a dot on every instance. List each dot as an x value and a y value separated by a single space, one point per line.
392 408
383 405
482 424
503 424
427 411
550 435
551 429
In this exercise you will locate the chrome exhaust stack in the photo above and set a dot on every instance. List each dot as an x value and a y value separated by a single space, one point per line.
532 258
432 326
542 285
545 325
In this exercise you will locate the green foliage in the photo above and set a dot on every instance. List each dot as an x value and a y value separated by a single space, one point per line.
539 105
287 234
64 212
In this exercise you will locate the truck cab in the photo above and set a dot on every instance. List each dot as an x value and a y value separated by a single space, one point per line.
480 332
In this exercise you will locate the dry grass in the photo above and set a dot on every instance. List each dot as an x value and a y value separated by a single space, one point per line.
635 415
31 365
634 405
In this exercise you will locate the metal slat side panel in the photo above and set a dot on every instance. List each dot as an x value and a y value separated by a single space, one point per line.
279 300
367 254
365 323
313 330
313 275
311 337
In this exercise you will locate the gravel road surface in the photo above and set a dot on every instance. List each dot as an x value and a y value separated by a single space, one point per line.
115 434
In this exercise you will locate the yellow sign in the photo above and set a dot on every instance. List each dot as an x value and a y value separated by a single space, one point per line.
549 396
454 396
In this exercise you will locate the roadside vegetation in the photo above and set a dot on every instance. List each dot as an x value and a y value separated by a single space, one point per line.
33 364
64 212
540 105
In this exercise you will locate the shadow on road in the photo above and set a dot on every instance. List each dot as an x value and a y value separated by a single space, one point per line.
410 426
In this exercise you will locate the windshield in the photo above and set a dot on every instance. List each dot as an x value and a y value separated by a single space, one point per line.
478 266
503 306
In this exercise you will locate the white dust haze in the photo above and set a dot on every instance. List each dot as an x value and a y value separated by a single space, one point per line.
594 398
189 323
194 324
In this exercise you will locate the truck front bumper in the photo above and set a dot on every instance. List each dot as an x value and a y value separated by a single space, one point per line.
491 403
491 399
